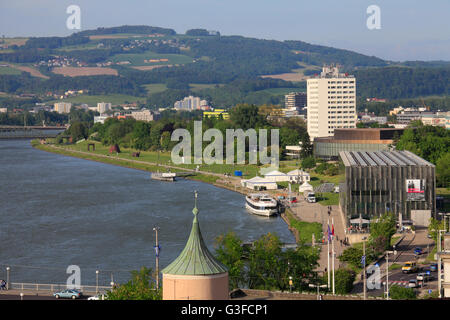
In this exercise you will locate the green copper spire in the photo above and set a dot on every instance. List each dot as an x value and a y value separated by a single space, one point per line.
195 259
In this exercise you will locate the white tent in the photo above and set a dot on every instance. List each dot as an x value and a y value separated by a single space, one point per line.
305 187
258 183
298 176
276 176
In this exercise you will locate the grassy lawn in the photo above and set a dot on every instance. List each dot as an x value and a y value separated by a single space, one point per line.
92 100
200 86
281 91
155 87
328 198
9 71
164 158
137 59
430 257
305 229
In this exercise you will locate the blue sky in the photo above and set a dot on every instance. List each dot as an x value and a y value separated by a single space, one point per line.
410 29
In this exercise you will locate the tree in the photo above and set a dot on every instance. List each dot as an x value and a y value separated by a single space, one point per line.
78 131
141 135
382 231
230 252
140 287
308 162
344 279
434 226
443 171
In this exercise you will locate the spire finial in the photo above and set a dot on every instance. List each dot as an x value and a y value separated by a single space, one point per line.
195 210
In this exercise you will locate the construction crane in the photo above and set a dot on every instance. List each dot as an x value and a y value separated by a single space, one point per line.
426 107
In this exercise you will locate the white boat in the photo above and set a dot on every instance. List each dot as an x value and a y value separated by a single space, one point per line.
261 204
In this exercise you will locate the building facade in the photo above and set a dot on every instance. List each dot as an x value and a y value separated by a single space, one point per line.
216 114
357 139
379 182
331 102
295 100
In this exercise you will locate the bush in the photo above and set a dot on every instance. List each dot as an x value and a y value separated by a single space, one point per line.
401 293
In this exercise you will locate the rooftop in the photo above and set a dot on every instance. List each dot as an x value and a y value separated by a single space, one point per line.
382 158
195 259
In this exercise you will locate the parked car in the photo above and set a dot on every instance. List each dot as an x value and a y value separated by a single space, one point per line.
413 283
68 293
98 297
433 267
418 251
424 277
409 267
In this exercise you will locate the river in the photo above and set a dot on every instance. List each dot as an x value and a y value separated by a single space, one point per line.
57 211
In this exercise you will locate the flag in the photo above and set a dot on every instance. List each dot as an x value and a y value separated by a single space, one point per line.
332 230
363 261
329 233
157 250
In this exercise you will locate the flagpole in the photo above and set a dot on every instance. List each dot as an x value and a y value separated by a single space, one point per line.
157 257
332 248
328 252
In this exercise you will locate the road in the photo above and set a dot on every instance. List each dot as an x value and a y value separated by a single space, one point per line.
405 253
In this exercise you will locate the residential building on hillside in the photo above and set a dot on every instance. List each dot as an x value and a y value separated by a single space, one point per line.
331 102
190 103
295 100
145 115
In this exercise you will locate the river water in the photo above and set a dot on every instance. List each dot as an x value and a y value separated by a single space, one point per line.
57 211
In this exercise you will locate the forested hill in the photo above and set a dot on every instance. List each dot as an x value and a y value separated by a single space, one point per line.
163 66
127 29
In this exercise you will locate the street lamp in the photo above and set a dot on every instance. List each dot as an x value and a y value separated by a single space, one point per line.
364 267
96 286
290 284
318 286
387 271
7 277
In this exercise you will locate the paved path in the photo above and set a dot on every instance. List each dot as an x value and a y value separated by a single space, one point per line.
314 212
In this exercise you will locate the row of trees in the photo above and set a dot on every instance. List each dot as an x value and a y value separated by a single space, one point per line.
156 135
431 143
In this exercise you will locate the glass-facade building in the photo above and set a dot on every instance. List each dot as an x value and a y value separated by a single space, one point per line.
387 181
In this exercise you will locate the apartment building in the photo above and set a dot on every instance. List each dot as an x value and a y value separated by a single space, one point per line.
62 107
331 102
102 107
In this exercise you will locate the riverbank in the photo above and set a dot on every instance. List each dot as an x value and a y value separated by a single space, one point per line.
216 179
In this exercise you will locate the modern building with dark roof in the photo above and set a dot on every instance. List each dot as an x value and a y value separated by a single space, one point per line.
387 181
355 139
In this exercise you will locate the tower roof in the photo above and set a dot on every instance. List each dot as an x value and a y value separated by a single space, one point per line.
195 259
